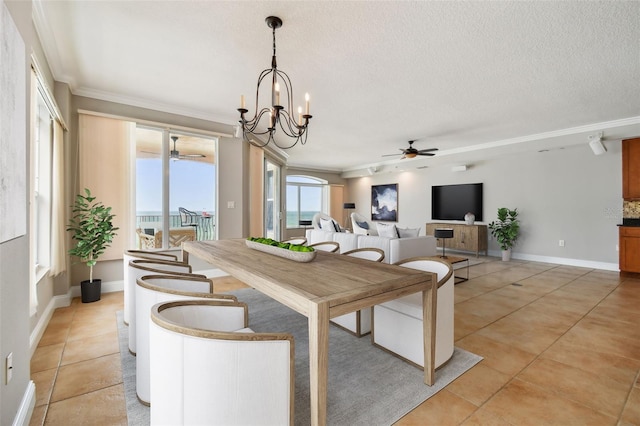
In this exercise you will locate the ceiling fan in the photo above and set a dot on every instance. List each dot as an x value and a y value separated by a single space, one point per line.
411 152
174 154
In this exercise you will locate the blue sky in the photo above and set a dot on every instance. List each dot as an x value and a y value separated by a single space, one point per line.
192 185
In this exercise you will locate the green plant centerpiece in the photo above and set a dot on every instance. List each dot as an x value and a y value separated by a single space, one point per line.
93 231
506 230
295 252
286 246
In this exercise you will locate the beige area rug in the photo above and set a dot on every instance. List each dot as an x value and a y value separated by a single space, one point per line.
367 386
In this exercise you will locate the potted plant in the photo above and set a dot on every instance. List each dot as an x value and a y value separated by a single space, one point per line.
506 229
93 231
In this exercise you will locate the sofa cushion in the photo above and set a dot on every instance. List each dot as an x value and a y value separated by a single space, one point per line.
408 232
385 230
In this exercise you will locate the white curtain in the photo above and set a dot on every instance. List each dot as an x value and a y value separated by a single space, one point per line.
58 224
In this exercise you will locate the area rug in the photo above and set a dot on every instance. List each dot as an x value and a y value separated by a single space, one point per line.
367 386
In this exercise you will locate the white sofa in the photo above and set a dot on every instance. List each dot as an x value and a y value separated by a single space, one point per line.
395 249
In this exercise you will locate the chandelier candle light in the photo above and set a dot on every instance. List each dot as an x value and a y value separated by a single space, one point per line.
276 112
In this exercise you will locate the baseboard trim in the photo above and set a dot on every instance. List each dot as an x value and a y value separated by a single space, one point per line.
28 403
561 261
107 287
55 303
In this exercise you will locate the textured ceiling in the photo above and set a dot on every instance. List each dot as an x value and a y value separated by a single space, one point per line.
470 78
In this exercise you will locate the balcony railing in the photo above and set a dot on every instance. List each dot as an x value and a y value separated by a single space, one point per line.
205 226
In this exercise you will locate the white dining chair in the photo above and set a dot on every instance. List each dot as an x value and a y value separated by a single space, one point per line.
296 240
153 289
330 246
138 268
359 322
398 325
208 367
130 255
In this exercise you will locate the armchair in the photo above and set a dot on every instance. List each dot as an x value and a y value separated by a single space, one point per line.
359 322
206 367
130 255
397 324
153 289
330 224
362 225
138 268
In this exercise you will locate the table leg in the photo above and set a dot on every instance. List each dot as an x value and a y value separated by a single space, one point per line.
318 361
429 307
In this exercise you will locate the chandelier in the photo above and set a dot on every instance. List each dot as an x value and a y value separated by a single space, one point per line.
276 114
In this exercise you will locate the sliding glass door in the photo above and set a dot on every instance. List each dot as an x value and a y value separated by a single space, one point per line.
175 187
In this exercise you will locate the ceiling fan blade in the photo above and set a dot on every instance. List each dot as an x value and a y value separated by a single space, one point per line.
192 156
392 155
428 154
428 150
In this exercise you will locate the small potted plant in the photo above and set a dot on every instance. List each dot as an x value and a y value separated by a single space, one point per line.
506 229
93 231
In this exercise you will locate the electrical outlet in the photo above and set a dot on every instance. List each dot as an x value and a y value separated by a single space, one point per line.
9 368
561 243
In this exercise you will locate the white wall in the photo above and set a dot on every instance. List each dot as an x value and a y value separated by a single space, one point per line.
569 194
14 273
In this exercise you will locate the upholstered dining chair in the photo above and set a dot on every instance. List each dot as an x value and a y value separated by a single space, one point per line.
207 367
369 253
130 255
330 246
398 325
153 289
296 240
138 268
359 322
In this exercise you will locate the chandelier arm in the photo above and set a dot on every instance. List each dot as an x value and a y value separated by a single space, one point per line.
292 129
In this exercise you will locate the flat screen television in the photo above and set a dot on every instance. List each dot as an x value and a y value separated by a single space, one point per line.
452 202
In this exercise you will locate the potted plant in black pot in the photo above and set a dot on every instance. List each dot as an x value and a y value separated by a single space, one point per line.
93 231
506 229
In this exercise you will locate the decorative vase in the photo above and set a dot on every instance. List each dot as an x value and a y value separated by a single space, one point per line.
506 255
90 290
469 218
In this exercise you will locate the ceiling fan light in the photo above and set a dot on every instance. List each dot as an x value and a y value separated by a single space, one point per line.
410 155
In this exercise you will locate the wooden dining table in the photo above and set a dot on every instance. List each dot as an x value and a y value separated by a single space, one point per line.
328 286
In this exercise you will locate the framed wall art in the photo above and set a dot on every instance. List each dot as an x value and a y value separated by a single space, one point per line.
13 119
384 202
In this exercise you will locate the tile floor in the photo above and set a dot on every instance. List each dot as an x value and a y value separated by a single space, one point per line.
561 346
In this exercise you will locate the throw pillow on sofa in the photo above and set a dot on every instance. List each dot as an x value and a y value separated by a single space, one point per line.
408 232
388 231
363 225
329 225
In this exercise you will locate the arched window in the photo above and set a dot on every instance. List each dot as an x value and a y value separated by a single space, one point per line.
306 196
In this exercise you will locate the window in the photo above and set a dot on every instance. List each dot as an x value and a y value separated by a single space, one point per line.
41 158
306 196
